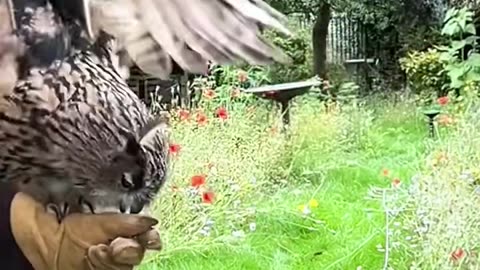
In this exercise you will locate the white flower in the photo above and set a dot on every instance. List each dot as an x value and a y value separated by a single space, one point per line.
306 211
192 192
236 187
236 203
297 192
204 232
467 176
238 234
253 226
209 223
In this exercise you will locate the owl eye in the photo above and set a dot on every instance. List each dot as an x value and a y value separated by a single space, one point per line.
126 181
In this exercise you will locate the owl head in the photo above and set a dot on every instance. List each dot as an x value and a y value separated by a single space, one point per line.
135 173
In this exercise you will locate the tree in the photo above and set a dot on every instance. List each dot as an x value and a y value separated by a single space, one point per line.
319 12
396 26
319 40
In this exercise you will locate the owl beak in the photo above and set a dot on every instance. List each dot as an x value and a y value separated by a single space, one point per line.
131 207
136 207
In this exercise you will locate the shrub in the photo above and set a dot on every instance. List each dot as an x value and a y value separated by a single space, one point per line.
298 48
425 72
452 67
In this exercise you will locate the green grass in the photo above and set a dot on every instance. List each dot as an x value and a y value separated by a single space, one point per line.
334 158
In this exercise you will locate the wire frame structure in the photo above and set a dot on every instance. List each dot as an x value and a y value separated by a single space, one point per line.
153 91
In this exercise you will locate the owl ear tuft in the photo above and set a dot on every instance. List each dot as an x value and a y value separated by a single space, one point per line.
156 132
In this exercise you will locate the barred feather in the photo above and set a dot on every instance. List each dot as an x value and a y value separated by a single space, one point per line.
65 133
72 129
191 32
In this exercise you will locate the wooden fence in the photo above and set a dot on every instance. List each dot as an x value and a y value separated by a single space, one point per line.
346 40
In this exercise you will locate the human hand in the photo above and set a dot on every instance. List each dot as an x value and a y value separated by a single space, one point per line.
81 241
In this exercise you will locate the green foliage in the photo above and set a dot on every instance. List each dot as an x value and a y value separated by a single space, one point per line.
459 23
393 28
226 82
425 72
299 49
332 158
447 67
343 93
305 7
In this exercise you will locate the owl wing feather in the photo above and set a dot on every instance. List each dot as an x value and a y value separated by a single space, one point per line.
191 32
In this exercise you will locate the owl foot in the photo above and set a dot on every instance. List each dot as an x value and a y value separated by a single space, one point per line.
86 204
61 211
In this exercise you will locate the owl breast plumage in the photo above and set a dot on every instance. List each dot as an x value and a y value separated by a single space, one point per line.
63 127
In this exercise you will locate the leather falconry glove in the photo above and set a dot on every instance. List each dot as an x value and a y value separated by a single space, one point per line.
82 241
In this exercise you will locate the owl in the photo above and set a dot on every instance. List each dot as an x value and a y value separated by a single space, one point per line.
72 134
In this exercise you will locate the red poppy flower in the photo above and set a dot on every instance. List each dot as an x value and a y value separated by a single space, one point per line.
457 254
222 113
198 180
445 120
439 158
273 130
201 118
385 172
183 115
208 197
209 94
174 148
442 100
242 76
396 182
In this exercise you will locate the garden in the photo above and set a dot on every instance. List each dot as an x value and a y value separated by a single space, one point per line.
358 179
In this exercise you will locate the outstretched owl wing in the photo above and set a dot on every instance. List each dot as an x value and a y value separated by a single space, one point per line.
191 32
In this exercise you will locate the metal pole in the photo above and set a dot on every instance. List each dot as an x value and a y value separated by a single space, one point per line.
285 107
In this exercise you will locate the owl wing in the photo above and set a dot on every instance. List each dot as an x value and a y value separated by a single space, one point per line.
191 32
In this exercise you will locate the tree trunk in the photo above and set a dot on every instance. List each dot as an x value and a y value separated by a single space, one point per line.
319 39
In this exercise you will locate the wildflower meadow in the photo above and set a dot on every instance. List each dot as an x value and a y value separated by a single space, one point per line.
358 180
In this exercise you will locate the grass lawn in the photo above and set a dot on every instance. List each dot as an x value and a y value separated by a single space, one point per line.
314 208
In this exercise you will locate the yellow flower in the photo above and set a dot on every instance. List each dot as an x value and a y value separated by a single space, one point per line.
301 207
313 203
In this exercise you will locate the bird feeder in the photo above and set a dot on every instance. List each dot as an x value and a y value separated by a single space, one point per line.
431 114
283 94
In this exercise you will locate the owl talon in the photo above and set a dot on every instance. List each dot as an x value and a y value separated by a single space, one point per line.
86 203
60 212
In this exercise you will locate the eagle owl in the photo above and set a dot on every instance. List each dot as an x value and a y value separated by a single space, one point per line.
75 133
71 131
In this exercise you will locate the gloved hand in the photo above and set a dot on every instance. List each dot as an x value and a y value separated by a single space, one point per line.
81 241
